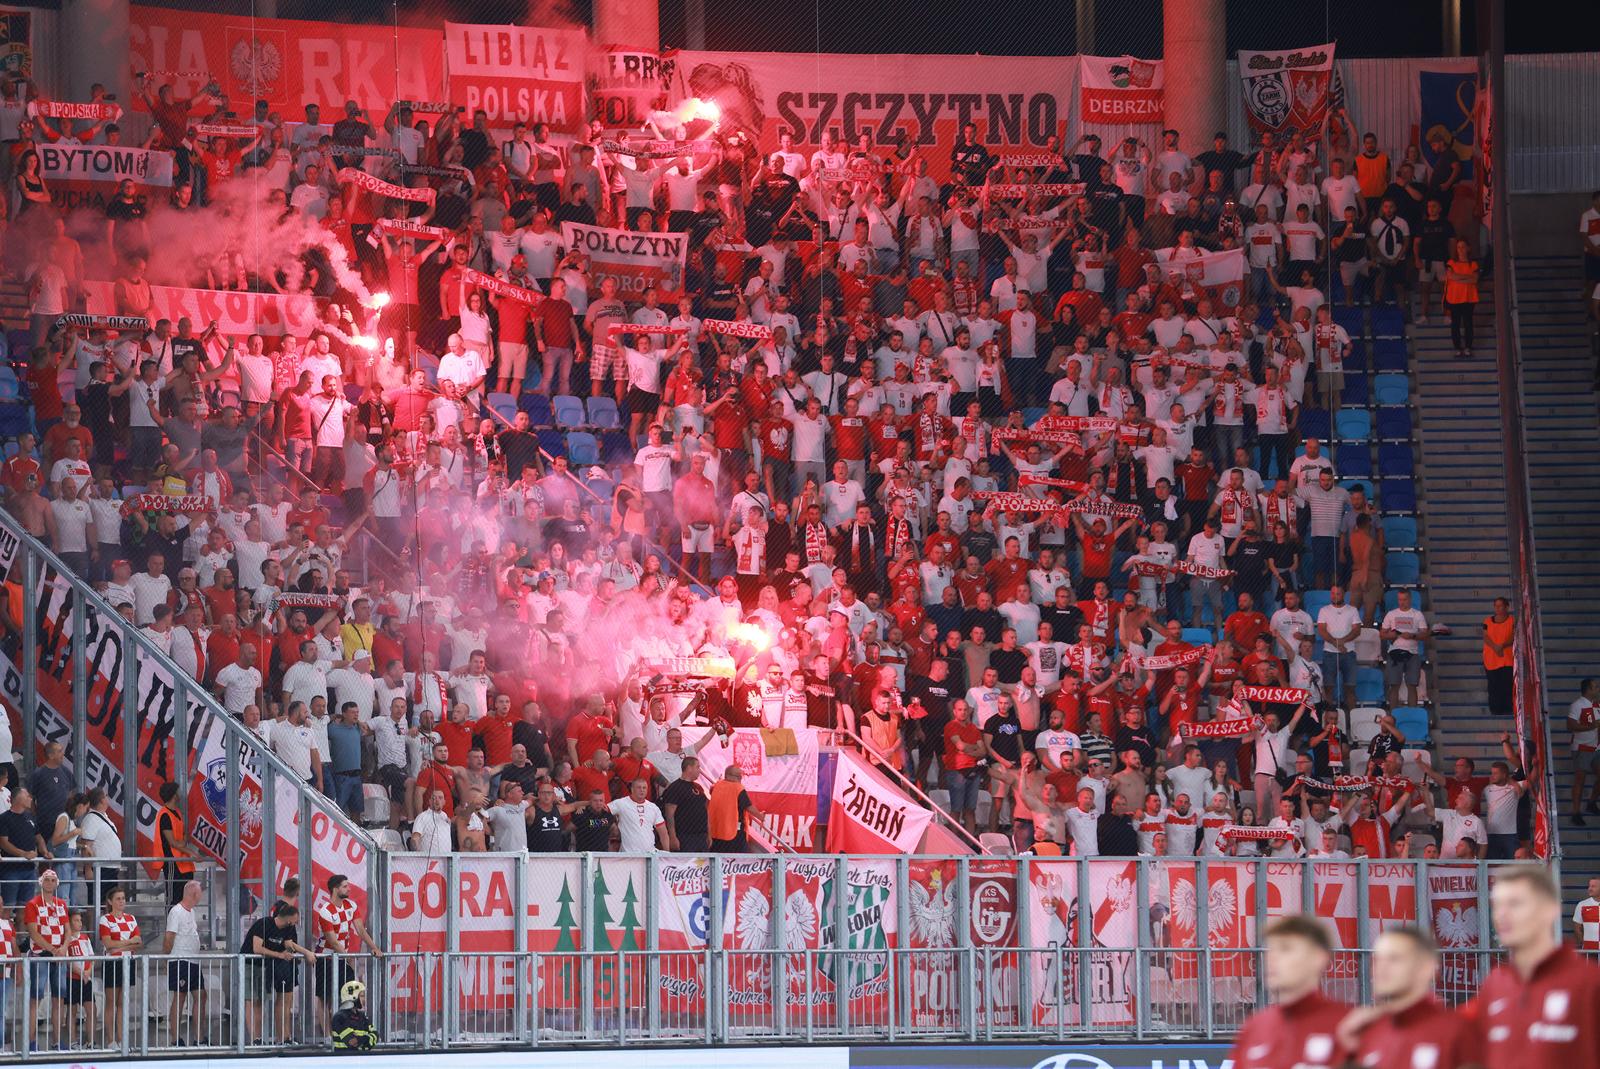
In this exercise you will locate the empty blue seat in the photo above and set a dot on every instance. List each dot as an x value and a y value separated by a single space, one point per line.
1353 424
552 441
505 414
15 419
1314 423
19 341
1353 461
1394 424
537 406
603 412
1400 532
1357 360
1351 320
615 448
1314 601
582 448
1397 495
1402 568
568 411
1412 720
1388 321
1369 686
1197 636
1394 458
496 400
1392 389
1389 354
1357 390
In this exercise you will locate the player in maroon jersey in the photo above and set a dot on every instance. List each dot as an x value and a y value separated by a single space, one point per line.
1406 1027
1300 1031
1540 1010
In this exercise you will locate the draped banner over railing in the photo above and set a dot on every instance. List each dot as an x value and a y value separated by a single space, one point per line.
841 919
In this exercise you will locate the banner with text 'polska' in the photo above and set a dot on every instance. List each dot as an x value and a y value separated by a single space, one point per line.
637 261
517 74
289 63
1287 92
1019 103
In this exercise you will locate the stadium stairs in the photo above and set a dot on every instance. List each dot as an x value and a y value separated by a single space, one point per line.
1563 432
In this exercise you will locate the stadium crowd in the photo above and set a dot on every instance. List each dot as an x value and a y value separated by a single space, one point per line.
440 553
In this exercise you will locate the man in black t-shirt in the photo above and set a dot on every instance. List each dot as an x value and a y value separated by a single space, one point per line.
591 825
925 733
1430 244
684 804
969 161
1222 159
271 948
547 829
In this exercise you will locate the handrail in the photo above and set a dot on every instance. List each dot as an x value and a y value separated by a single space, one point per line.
907 783
239 737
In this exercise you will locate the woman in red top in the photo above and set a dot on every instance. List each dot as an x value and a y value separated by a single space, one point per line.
119 938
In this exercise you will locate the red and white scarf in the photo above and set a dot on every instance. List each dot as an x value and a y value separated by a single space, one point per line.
1221 729
1277 695
373 184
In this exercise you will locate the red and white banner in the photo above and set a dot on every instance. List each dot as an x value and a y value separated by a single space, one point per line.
636 260
784 788
374 184
1019 103
1163 662
1236 728
87 176
287 62
185 503
870 815
1122 91
626 85
1019 190
932 889
517 73
1275 695
403 229
1218 276
1457 926
1287 92
235 313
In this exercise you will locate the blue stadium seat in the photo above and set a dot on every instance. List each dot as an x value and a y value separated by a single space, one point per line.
537 406
14 420
1033 414
1353 424
1388 322
1353 461
1389 354
1402 569
1314 423
1394 424
603 413
1357 360
582 448
569 411
1394 458
496 400
1392 389
19 341
552 441
506 413
1397 495
1314 600
600 505
1357 390
615 448
1399 532
9 390
1412 720
1197 636
1351 320
1369 686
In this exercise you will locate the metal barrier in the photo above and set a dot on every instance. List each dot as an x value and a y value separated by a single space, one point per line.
152 1005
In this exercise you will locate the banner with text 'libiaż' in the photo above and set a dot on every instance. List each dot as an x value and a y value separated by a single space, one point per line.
517 74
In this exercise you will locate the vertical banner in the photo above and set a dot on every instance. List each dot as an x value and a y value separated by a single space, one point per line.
1120 91
1453 919
935 977
1287 92
1483 156
1447 106
626 85
784 787
517 73
16 43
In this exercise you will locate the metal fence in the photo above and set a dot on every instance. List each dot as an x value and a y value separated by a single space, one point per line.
154 1004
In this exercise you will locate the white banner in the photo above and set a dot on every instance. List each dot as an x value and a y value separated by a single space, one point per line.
637 261
870 815
517 73
1120 91
1216 275
782 787
1287 91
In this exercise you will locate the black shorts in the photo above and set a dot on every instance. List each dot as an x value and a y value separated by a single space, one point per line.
75 992
184 976
638 402
693 844
111 974
327 984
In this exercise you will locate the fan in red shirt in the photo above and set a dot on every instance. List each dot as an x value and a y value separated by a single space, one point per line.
494 731
1245 624
593 775
1301 1031
1540 1010
15 471
589 731
884 432
1101 614
632 765
1008 573
1407 1026
456 734
850 434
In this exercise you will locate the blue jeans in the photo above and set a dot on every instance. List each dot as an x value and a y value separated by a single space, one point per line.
1324 561
963 786
1338 673
347 791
